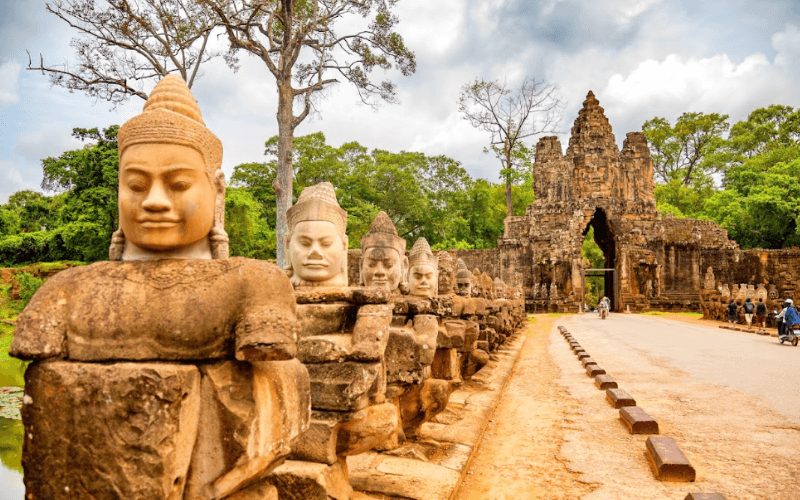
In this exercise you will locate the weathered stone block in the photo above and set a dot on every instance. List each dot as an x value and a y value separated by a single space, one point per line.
298 480
445 365
318 443
346 386
638 421
588 361
367 429
451 335
421 402
581 355
325 348
471 332
705 496
321 319
604 382
619 398
667 460
594 370
371 332
124 430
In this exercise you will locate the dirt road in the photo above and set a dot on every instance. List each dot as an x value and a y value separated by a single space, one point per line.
554 436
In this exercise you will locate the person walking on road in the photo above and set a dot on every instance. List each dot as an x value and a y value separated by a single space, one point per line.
732 315
761 315
790 318
749 309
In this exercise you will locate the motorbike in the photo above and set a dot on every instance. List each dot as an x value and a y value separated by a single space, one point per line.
791 335
603 312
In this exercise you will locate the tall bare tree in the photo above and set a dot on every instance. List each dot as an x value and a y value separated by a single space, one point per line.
298 42
510 116
123 44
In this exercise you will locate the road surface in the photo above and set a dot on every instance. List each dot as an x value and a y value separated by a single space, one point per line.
731 400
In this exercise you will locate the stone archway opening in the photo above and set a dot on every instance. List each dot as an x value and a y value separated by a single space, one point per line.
604 237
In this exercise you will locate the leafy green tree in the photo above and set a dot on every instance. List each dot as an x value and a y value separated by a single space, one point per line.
761 209
10 221
248 231
684 201
35 210
89 176
684 151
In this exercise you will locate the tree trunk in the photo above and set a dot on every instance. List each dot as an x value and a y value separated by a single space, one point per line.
283 180
509 204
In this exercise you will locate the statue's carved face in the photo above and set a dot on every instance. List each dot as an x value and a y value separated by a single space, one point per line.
381 267
464 288
499 291
316 250
166 200
421 281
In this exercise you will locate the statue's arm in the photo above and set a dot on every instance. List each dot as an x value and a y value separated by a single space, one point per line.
41 328
267 328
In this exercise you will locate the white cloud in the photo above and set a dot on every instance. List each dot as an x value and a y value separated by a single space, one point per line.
11 181
51 140
712 84
432 28
9 83
486 16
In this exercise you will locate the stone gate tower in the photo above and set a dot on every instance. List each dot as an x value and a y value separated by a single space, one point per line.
596 185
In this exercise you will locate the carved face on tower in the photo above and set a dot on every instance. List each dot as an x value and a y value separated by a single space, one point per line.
316 242
463 279
422 266
171 188
383 254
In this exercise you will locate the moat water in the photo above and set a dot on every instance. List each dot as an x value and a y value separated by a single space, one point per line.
11 433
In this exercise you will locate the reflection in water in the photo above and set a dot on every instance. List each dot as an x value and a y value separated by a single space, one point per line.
11 434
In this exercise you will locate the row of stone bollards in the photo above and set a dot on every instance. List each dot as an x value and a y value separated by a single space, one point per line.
666 459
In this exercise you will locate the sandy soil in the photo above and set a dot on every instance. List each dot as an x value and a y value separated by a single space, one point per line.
554 436
520 455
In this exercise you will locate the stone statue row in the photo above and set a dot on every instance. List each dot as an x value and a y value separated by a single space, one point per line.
715 297
175 372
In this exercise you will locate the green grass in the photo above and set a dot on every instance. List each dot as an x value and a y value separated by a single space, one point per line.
11 369
557 315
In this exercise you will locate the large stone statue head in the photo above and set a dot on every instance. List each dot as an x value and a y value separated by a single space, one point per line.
316 242
422 267
383 254
171 186
447 273
463 279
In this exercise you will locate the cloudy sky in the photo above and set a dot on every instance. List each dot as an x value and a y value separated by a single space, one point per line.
642 58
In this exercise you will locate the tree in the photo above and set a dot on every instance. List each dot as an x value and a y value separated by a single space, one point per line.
511 116
88 211
125 43
35 210
296 40
684 151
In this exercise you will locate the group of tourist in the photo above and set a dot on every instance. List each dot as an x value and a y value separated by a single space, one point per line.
787 318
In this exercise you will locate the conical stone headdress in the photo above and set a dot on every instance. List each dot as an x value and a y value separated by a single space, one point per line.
463 275
171 116
421 255
383 233
318 203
